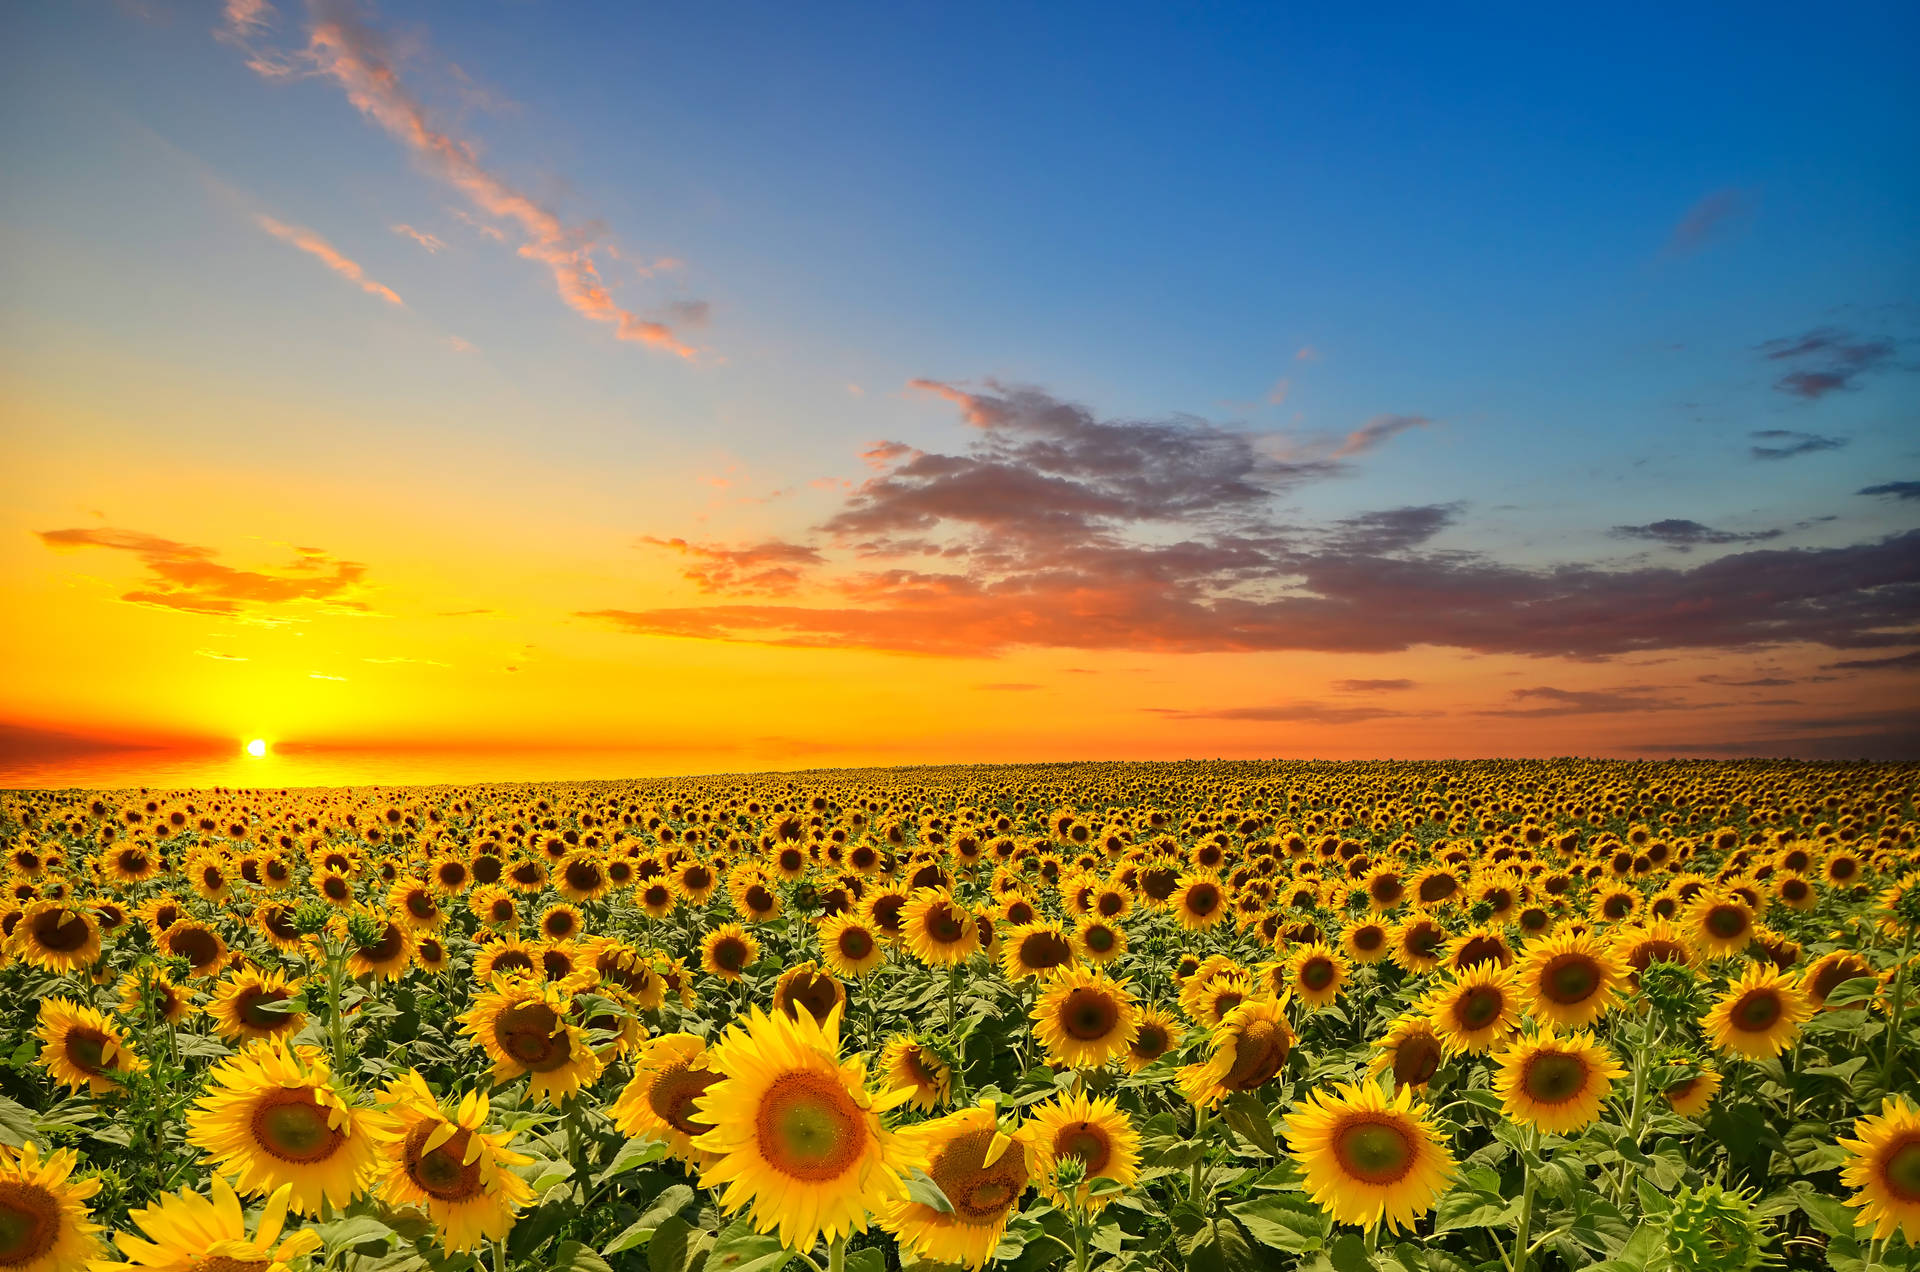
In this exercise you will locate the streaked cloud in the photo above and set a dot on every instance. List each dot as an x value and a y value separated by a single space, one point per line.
1827 360
1713 217
186 577
318 248
1785 443
432 242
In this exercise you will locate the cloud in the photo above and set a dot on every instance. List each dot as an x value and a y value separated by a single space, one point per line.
1284 713
321 675
216 654
1712 217
1307 353
1830 360
1372 686
1683 535
185 577
1009 686
1873 735
1393 529
774 567
1893 489
432 242
245 18
1567 702
343 49
1278 393
1758 682
312 244
1789 443
1377 430
1898 662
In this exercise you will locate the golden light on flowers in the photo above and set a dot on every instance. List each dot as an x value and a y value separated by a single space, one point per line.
1245 1051
907 1063
937 929
1690 1096
1568 980
981 1171
670 1075
271 1116
1085 1018
525 1029
1095 1132
56 936
83 1049
728 951
1758 1015
1718 923
1883 1169
849 945
251 1005
1556 1083
1367 1160
1475 1011
796 1138
1315 974
448 1164
186 1232
45 1225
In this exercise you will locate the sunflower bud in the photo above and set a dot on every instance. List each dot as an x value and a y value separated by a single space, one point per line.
1713 1230
311 917
1672 990
364 930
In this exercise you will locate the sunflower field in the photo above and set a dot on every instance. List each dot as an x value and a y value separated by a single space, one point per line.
1436 1017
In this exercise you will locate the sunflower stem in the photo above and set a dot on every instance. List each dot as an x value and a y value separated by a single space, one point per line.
1521 1251
336 1022
837 1254
1199 1163
1896 1011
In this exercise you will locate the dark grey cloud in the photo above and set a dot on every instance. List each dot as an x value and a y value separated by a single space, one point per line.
1284 713
1568 702
1758 682
1372 686
1893 490
1681 534
1897 662
1785 443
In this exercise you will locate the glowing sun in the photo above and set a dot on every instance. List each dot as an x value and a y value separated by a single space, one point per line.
257 748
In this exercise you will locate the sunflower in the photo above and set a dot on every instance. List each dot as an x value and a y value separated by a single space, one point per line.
1555 1083
431 955
1479 945
417 905
57 937
1690 1097
1569 980
1758 1015
1411 1049
275 921
807 987
507 956
1642 945
1199 902
246 1005
729 950
440 1158
1246 1050
939 931
1829 972
1718 923
187 1232
669 1074
81 1048
449 875
1159 1034
494 906
795 1135
1368 1160
1316 973
1475 1011
272 1116
1366 940
656 897
173 1003
1883 1165
45 1225
1037 949
1094 1131
523 1027
199 944
1085 1018
561 922
981 1171
1418 943
1099 941
907 1063
696 881
850 945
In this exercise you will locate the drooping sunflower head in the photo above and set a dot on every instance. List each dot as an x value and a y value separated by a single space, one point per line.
1159 1033
1035 949
527 1028
796 1138
1829 972
1569 980
1690 1096
271 1116
170 1002
1642 945
1096 1132
1556 1083
1085 1018
1368 1160
441 1158
1411 1049
83 1049
981 1171
1883 1167
670 1074
809 988
1759 1014
45 1225
1475 1011
909 1063
1245 1051
938 930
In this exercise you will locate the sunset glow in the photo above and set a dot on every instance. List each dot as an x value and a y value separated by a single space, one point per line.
369 381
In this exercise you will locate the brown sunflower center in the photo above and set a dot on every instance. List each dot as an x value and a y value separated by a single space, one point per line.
672 1096
760 899
1727 921
729 953
442 1174
59 931
389 947
1570 979
29 1222
1416 1059
531 1034
817 992
1554 1077
855 943
559 924
1317 972
420 904
249 1008
198 946
227 1263
1374 1150
1834 975
1109 904
980 1194
86 1049
291 1125
1099 939
1089 1014
1203 899
1479 1006
944 925
1369 938
1438 888
1087 1142
1044 949
582 876
1152 1042
808 1127
1756 1011
1259 1052
1901 1172
513 960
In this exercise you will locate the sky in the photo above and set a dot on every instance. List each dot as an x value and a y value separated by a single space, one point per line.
503 386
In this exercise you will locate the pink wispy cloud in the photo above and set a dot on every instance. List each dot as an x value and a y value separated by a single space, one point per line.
341 48
312 244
